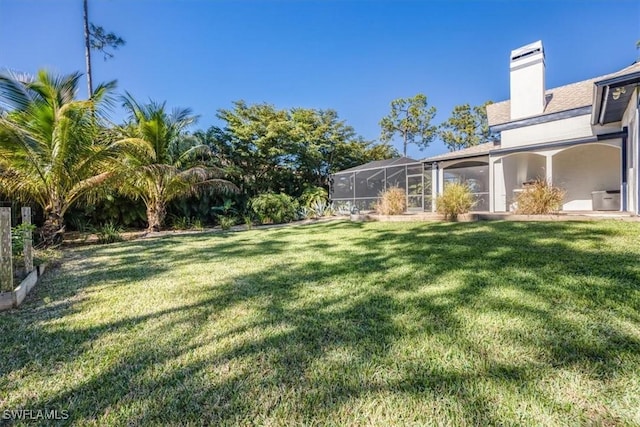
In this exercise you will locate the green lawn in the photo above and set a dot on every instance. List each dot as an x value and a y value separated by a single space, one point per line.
338 323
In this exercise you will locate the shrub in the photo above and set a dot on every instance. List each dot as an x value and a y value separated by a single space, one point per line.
321 208
305 213
539 198
456 199
226 208
343 209
81 224
17 237
274 208
197 224
109 233
248 221
393 201
226 222
181 223
312 195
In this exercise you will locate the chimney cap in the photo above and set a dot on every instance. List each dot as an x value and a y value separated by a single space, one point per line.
527 50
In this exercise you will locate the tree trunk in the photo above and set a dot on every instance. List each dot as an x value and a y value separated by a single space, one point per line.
156 212
52 229
404 140
87 49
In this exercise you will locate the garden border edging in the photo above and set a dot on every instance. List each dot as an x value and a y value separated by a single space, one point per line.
14 299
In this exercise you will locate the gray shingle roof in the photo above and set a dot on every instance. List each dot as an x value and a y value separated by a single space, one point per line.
396 161
477 150
563 98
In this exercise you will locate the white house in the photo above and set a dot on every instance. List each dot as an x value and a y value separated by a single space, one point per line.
582 137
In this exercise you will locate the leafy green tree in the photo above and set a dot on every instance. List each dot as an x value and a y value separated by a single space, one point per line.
410 119
52 147
166 163
325 144
373 152
467 127
264 149
254 147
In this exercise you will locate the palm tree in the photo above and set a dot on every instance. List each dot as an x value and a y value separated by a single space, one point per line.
166 163
51 152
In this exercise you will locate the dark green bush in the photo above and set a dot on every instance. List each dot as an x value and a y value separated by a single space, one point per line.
274 208
313 195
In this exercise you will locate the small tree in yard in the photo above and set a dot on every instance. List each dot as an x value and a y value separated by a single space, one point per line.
456 199
52 146
410 118
164 166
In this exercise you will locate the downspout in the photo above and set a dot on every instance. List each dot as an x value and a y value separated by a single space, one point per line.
625 173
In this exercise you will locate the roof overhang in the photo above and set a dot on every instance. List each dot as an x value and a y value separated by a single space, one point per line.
380 164
558 144
611 98
544 118
447 159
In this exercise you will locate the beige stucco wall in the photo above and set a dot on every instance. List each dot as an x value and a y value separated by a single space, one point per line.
558 130
582 169
579 170
519 168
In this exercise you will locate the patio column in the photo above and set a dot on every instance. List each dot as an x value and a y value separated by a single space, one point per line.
623 166
434 185
492 188
548 168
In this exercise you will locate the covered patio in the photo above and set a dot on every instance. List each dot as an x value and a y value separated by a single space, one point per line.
587 172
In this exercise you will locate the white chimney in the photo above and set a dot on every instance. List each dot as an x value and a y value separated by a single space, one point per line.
527 81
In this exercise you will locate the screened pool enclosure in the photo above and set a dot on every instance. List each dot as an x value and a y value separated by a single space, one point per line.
360 187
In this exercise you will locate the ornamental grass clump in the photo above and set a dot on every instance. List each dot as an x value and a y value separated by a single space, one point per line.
392 202
539 198
456 199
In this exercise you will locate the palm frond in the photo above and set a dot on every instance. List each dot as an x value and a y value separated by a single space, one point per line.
81 188
49 140
13 92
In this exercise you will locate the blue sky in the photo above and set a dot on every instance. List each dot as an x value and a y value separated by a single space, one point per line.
351 56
